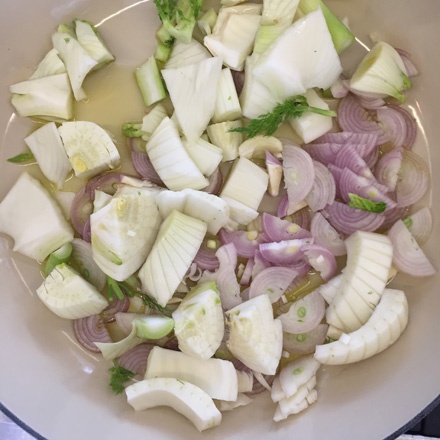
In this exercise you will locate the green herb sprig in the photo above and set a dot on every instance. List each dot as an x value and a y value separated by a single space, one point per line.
120 289
358 202
268 123
22 158
119 376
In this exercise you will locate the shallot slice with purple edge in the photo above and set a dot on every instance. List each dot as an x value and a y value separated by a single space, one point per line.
276 229
326 235
387 168
408 257
347 220
90 330
353 117
413 179
305 343
245 242
323 191
304 314
136 358
299 174
272 281
284 253
321 259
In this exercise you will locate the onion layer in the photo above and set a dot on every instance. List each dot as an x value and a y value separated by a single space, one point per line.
90 330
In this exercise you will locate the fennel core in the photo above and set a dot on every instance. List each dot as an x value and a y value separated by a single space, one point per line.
268 123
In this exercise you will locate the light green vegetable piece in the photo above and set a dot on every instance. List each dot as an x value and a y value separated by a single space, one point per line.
199 323
33 219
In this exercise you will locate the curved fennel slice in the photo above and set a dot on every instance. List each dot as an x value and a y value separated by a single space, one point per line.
174 249
217 377
383 328
123 232
33 219
184 397
369 258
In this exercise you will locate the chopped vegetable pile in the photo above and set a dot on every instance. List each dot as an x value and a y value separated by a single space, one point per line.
212 272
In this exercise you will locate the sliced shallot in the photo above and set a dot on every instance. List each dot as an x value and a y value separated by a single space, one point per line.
276 229
323 191
388 167
299 173
394 123
348 220
135 359
225 276
420 224
116 305
284 252
273 281
321 259
305 343
326 235
143 166
245 242
413 179
353 117
90 330
408 257
304 315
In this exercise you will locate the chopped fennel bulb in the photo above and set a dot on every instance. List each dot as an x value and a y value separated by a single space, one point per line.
184 397
199 323
170 159
310 126
61 255
277 16
123 232
153 326
101 199
50 65
246 183
65 200
240 214
176 245
276 11
47 97
216 377
205 155
150 82
152 120
220 134
233 36
183 54
89 148
369 258
198 204
48 149
255 337
33 219
77 60
256 99
342 36
227 105
303 57
256 147
381 72
207 21
382 329
91 41
193 91
70 296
